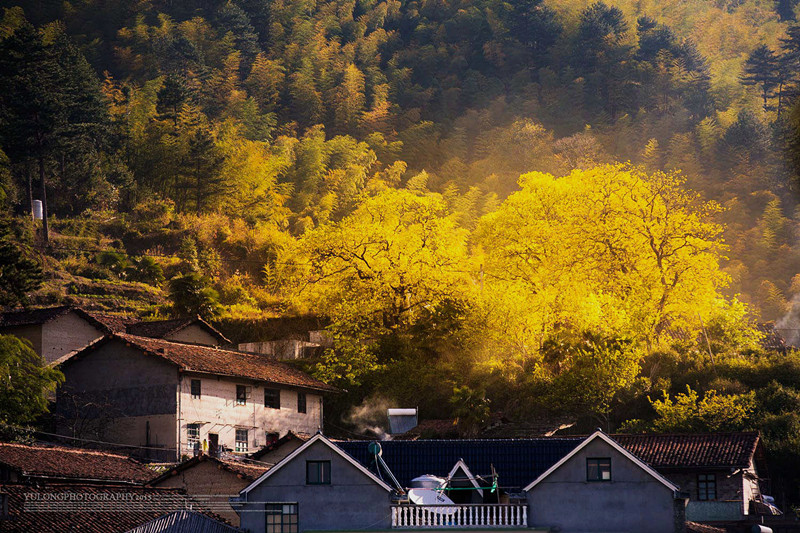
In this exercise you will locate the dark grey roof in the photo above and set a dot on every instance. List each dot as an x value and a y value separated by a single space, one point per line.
184 522
160 329
516 461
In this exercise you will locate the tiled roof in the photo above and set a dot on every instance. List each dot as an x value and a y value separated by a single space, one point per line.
694 527
431 428
77 521
72 464
184 522
771 338
247 471
205 359
158 329
517 462
302 437
114 323
520 461
33 317
728 450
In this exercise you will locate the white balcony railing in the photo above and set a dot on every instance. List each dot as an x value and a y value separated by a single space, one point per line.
460 516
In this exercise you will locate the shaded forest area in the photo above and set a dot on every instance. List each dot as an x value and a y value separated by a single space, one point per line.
361 160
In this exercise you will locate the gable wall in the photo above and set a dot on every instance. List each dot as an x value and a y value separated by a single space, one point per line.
208 479
193 334
65 334
632 502
115 392
352 500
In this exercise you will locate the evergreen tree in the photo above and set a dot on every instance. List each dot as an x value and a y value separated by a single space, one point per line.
761 69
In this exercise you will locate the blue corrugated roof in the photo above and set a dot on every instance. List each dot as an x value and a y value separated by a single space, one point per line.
517 462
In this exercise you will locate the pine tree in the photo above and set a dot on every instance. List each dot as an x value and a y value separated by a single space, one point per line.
761 69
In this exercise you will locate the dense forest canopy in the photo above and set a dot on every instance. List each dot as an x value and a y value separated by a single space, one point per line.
535 206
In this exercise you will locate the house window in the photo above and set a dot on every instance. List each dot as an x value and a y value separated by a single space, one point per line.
241 395
318 472
301 402
598 469
706 486
281 518
195 388
241 440
272 398
193 436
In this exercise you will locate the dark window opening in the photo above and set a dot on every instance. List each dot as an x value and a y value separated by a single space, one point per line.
318 472
706 486
241 395
598 469
195 388
272 398
301 402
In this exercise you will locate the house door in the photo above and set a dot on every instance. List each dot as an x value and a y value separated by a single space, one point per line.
213 444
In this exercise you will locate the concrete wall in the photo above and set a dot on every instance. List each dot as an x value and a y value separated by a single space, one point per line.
632 502
352 500
113 393
193 334
65 334
207 479
735 490
217 412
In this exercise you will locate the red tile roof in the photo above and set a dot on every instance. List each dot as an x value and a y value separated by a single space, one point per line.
138 506
72 464
205 359
247 471
727 450
694 527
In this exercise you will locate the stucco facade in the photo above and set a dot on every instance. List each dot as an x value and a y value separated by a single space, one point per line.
352 499
117 392
632 501
218 413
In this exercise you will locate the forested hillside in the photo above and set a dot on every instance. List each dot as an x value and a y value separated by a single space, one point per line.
361 160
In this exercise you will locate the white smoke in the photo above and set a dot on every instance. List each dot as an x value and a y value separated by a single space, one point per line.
789 324
370 418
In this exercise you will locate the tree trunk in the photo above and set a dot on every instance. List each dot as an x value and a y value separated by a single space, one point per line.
45 228
29 177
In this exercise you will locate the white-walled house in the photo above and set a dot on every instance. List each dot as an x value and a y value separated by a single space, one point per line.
173 400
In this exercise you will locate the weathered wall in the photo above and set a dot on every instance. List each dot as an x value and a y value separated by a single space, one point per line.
193 334
632 502
65 334
352 500
114 391
217 411
31 333
207 479
734 492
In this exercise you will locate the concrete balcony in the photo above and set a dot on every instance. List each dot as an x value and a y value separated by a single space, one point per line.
410 516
